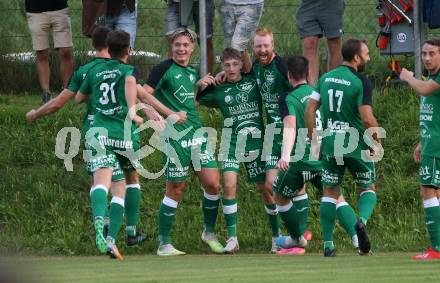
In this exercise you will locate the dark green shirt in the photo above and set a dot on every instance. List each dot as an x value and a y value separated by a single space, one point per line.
430 121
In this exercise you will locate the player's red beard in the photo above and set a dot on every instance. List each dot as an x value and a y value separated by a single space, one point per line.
264 57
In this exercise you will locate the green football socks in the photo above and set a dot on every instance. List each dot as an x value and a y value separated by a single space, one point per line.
432 220
210 205
116 216
291 219
132 206
367 202
347 217
98 195
301 204
272 214
165 220
230 214
328 218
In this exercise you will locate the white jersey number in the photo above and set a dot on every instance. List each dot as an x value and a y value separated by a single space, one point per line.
106 88
338 94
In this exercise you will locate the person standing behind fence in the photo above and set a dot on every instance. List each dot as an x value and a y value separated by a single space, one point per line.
122 15
182 14
315 18
43 16
240 19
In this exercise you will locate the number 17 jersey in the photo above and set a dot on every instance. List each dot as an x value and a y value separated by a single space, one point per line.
342 91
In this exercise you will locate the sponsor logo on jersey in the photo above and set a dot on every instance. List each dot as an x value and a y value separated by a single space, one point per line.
227 90
337 126
426 108
178 76
247 86
424 172
243 107
338 81
182 94
191 77
228 99
242 97
193 142
269 76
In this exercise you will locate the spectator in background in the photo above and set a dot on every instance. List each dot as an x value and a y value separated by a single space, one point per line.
240 19
122 15
42 17
315 18
184 13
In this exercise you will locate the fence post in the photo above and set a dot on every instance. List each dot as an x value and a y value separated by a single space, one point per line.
419 37
202 31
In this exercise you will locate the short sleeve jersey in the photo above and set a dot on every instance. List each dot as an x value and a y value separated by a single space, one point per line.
294 103
74 85
239 101
272 82
342 91
106 84
430 121
174 86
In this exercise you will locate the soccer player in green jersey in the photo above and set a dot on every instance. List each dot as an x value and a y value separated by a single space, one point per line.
427 152
345 97
173 82
132 201
239 101
289 186
113 90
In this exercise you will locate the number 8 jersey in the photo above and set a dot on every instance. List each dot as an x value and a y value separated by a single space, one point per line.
342 91
106 85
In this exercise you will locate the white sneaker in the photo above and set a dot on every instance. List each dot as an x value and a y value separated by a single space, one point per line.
212 241
355 241
168 250
231 245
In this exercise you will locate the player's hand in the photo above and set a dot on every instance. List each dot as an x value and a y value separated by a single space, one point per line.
206 81
30 116
417 154
157 121
283 164
138 120
179 117
220 78
406 75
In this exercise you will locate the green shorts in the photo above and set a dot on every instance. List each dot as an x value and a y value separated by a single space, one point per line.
429 171
180 155
255 169
106 154
289 182
272 158
364 173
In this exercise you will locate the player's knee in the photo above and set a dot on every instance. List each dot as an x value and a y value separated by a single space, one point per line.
310 44
65 53
43 55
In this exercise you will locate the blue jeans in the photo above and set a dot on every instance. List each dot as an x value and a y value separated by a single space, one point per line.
126 21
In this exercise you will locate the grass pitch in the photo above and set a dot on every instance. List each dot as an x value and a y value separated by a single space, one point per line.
383 267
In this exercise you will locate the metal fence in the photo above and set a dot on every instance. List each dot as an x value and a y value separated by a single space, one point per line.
279 15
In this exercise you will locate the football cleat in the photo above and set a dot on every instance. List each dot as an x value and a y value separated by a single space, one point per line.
364 242
114 253
308 235
212 241
231 245
136 240
287 242
430 253
101 244
328 252
168 250
292 251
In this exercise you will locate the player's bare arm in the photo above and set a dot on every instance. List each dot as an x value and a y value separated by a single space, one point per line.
131 97
289 136
50 107
424 88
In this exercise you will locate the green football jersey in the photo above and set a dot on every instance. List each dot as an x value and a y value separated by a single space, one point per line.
294 103
174 86
106 85
74 85
241 102
342 91
272 82
430 121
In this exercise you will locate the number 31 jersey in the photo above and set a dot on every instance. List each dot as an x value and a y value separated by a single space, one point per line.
106 85
342 91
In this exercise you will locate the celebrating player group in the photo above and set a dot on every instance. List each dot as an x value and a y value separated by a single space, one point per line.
284 131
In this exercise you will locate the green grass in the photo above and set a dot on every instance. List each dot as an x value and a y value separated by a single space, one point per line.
383 267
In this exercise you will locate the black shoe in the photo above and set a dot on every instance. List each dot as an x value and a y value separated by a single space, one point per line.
329 252
136 240
364 242
105 230
45 97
